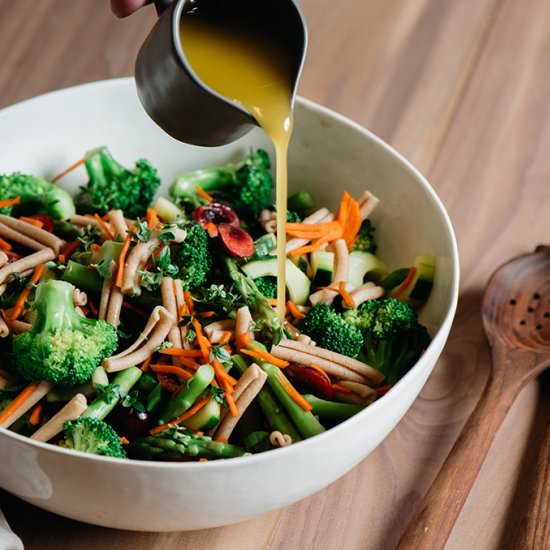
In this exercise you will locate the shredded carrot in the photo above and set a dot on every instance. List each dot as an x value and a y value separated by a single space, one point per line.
306 231
32 221
22 299
293 392
294 311
231 404
222 374
202 341
227 335
349 217
206 314
188 301
67 170
124 440
104 227
146 363
340 389
320 371
382 390
222 439
328 237
171 369
94 247
68 250
18 401
134 309
152 218
121 261
243 340
272 302
346 296
10 202
203 194
187 414
180 352
34 419
309 227
212 230
5 245
265 356
397 293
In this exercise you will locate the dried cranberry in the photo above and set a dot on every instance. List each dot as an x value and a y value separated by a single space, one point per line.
211 215
128 422
311 380
47 221
236 240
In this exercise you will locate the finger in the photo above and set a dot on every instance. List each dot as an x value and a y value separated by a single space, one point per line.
123 8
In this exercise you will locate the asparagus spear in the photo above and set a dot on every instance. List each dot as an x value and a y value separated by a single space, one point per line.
187 396
331 410
122 383
177 442
276 416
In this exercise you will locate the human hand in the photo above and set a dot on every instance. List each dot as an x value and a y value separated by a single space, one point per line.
123 8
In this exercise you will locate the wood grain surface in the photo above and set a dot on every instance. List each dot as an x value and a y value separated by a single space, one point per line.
461 88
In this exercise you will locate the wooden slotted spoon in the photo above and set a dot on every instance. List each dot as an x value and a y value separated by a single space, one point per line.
516 319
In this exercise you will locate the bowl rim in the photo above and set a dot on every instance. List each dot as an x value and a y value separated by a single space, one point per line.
438 339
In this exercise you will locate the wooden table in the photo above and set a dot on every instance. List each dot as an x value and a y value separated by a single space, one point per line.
461 88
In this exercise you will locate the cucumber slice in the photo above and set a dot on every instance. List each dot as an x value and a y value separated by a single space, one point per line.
206 418
418 290
297 283
264 246
362 264
322 267
167 210
394 279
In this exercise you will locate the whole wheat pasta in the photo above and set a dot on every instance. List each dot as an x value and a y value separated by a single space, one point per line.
84 221
243 395
12 235
226 324
4 328
367 204
115 306
358 366
323 215
278 439
362 390
136 260
17 327
351 398
243 322
41 390
4 258
36 233
80 298
54 426
336 370
151 341
168 293
26 263
105 297
368 291
118 223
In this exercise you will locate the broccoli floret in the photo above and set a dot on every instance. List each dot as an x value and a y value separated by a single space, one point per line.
365 238
62 346
329 330
293 217
112 186
36 196
247 186
266 318
267 286
393 337
91 435
193 256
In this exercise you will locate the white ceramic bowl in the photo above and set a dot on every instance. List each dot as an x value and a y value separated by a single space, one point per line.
329 154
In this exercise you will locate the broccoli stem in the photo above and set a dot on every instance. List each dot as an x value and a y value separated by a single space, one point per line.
209 179
331 410
188 395
177 443
99 378
275 415
301 202
105 403
264 315
82 277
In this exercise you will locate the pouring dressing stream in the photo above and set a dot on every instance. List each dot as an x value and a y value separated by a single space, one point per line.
245 63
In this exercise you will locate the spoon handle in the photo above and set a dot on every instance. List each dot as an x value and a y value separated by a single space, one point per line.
534 528
436 515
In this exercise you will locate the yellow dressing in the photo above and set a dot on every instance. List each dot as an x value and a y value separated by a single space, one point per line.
247 64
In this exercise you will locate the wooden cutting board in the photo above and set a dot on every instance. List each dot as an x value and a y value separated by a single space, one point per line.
461 88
